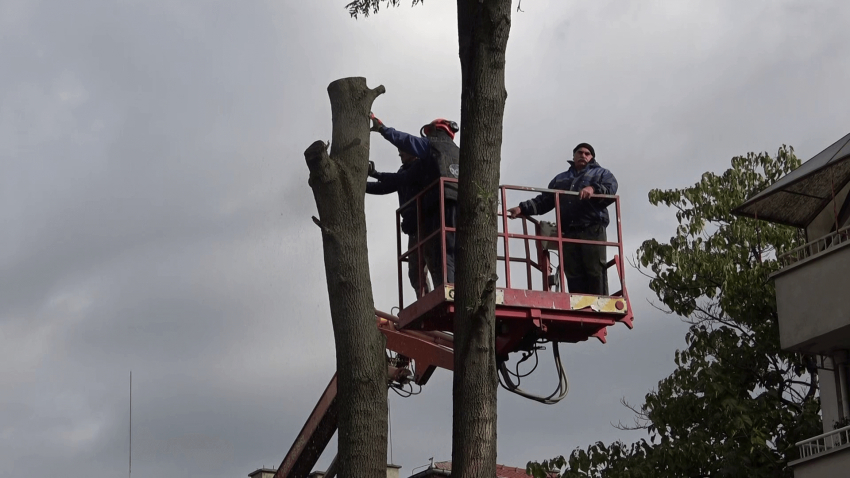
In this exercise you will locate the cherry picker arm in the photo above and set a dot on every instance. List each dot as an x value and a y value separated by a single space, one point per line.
419 354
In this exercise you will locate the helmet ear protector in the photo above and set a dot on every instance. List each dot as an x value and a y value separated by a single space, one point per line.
452 125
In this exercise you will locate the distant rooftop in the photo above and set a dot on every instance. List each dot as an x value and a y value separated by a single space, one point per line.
798 197
444 468
262 473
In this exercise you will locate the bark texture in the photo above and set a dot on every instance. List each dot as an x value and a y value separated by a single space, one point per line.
483 29
338 181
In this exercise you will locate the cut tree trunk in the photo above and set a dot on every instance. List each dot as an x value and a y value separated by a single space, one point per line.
338 181
483 29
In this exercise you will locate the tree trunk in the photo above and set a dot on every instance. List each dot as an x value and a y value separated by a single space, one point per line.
339 186
483 29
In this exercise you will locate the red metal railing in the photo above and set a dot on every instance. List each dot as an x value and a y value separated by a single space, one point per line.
543 260
423 242
542 263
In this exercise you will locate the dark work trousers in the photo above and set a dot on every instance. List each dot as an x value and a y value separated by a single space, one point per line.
584 264
433 248
416 271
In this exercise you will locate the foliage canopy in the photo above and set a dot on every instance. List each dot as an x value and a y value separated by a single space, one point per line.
365 7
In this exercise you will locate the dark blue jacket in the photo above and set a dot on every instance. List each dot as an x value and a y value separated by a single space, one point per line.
415 145
576 213
405 193
421 174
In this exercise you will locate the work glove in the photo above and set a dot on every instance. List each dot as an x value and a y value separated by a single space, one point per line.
376 123
372 171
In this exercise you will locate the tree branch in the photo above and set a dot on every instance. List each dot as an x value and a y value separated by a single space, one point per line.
322 168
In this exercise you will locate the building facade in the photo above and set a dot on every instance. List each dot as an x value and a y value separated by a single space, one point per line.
813 293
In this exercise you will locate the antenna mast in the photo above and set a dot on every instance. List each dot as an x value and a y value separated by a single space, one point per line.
130 470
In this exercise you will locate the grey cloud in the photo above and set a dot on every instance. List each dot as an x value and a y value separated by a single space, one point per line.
156 210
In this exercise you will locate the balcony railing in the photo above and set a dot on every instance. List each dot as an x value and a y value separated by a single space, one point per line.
824 443
815 247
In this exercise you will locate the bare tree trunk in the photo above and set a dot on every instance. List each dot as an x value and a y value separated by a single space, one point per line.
483 29
339 185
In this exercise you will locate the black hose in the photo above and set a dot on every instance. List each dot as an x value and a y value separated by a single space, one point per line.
560 392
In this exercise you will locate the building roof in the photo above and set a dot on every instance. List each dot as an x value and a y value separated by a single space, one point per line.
261 472
799 196
502 471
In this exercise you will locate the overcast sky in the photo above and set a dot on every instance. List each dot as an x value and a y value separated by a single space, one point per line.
156 214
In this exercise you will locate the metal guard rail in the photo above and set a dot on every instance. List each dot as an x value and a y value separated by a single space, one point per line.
604 201
824 443
815 247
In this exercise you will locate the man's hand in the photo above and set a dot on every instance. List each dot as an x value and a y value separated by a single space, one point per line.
376 123
372 171
585 193
514 212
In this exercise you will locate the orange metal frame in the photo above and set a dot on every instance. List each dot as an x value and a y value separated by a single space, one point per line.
524 315
427 350
421 332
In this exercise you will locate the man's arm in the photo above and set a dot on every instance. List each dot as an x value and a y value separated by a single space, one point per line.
379 188
606 183
543 203
416 172
415 145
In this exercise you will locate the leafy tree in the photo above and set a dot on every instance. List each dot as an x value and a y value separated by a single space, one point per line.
736 403
483 29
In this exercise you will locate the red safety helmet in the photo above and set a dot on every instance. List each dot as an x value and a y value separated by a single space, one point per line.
450 127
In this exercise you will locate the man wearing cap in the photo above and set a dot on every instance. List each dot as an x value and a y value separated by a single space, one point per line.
581 218
416 271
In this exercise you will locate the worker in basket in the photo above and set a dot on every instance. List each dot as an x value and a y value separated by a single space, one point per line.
438 158
581 218
416 268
